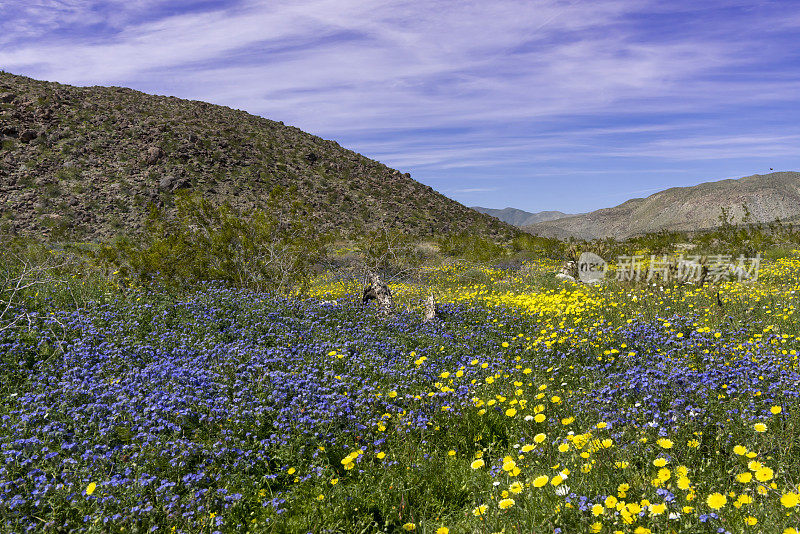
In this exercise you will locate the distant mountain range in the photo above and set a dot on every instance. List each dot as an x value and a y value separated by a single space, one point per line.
768 197
88 162
520 218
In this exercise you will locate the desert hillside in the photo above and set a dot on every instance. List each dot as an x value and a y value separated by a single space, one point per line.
86 162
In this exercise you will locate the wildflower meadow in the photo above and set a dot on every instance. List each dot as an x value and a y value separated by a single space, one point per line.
527 405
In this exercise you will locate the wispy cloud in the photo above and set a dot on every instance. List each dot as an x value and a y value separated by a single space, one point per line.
446 88
718 147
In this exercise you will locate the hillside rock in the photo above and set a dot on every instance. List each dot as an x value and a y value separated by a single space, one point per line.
27 136
152 155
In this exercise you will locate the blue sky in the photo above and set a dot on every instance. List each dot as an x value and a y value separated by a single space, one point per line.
540 105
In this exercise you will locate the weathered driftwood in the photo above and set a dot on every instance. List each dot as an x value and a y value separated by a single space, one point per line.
378 290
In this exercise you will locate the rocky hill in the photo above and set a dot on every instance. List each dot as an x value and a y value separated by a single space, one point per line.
517 217
768 197
86 162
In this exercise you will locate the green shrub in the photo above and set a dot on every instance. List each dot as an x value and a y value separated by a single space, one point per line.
471 247
532 246
272 250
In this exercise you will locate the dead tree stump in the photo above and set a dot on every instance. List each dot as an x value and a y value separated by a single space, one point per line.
378 290
430 309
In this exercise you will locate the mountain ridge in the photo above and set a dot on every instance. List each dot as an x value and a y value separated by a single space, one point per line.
518 217
768 197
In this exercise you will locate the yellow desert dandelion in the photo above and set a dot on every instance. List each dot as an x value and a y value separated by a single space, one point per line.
540 481
479 511
663 474
716 501
764 474
790 500
506 503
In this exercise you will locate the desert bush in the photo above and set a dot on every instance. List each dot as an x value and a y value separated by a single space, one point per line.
527 246
382 249
272 250
471 247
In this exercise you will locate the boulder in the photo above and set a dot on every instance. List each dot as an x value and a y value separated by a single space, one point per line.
172 183
27 136
152 155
